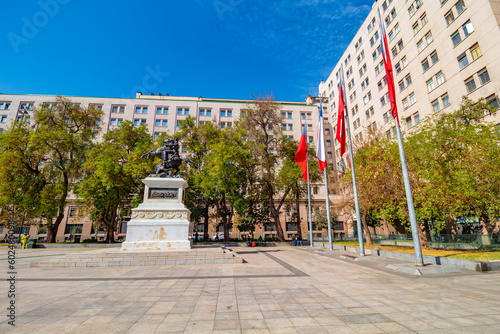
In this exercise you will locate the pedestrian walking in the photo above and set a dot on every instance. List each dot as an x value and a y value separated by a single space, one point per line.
299 240
294 241
24 239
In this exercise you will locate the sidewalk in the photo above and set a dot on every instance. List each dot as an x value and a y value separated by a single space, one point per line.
277 290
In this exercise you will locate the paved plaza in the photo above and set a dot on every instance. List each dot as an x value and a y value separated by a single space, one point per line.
275 290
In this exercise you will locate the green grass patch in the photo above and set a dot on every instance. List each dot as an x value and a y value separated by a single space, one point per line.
478 255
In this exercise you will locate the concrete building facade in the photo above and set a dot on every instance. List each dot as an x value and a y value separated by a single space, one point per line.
161 114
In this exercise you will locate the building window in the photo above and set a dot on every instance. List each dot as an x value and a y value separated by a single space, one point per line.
425 65
462 60
29 106
446 100
118 109
226 113
205 112
386 118
329 155
310 139
475 51
470 84
413 98
417 118
416 28
401 85
182 111
455 38
74 229
440 78
484 77
468 28
158 122
449 17
434 57
141 110
408 80
420 45
435 106
409 122
493 101
423 19
429 38
430 85
162 110
460 7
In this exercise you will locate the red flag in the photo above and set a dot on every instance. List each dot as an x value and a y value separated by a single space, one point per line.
301 154
340 135
384 46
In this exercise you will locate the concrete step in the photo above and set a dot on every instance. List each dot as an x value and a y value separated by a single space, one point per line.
111 259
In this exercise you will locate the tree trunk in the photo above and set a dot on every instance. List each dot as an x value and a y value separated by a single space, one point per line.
385 225
422 238
297 203
205 222
52 230
279 229
366 229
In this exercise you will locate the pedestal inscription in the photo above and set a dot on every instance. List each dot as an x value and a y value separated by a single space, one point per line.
156 193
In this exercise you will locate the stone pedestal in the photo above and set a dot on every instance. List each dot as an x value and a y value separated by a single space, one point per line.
161 222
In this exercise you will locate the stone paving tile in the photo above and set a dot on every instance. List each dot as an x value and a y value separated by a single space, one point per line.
364 318
363 297
366 328
339 329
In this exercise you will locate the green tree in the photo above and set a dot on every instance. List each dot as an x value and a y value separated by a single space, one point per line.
263 124
225 175
51 154
197 140
113 173
321 217
456 157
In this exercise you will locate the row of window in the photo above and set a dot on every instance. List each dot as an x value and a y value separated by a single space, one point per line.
458 9
483 76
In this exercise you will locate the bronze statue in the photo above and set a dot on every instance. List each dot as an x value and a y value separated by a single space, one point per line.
169 153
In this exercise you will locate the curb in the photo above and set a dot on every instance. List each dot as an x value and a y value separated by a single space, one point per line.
437 260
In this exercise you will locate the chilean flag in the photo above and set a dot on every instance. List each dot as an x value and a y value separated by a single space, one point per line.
320 147
301 154
340 135
384 47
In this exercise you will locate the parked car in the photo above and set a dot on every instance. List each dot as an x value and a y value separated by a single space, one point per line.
218 236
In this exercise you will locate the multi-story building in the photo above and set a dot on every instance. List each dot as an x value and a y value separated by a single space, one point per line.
441 50
161 114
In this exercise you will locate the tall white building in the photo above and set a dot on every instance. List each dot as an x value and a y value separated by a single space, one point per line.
441 50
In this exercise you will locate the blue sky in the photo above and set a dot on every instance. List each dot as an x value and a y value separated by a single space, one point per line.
214 48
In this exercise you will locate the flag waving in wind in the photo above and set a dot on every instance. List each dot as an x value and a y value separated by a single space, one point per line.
384 48
340 135
320 147
301 154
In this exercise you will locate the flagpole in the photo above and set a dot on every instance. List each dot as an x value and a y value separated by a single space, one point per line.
309 204
354 186
409 199
404 167
326 186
